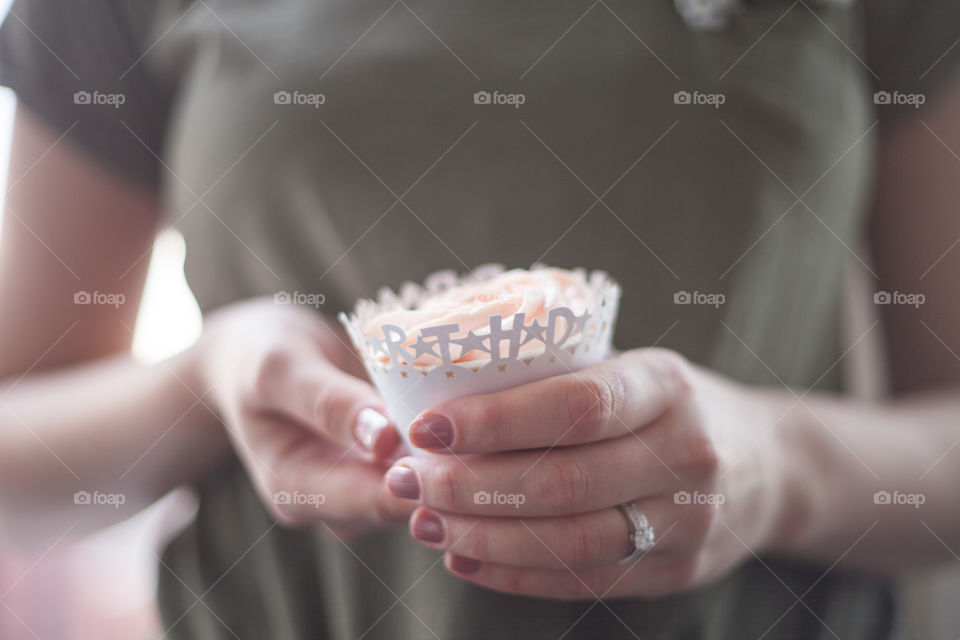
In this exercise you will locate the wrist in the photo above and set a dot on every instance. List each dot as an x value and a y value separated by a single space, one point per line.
796 454
758 444
827 486
189 368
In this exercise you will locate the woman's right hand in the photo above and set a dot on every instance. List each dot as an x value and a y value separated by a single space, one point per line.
301 415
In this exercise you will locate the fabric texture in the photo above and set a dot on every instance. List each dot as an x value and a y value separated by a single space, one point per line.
392 169
61 60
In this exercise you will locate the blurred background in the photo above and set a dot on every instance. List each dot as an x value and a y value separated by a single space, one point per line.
103 587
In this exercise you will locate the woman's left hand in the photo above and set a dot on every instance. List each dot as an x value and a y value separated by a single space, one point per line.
524 490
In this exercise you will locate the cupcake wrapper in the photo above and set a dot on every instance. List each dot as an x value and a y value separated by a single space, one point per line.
567 341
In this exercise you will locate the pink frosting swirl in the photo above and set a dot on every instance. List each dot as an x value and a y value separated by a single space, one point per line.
470 305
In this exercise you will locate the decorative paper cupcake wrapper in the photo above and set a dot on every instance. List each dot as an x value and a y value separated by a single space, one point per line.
517 350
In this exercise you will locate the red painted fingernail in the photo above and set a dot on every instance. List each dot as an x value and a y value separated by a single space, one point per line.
463 565
432 431
370 424
403 482
427 526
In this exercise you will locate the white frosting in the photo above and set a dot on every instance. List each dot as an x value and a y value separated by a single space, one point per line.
471 305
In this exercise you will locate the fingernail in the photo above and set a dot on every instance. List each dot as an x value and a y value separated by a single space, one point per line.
427 526
370 424
403 483
464 565
432 431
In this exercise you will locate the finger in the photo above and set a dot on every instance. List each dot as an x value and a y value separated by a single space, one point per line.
651 575
586 540
355 492
561 481
321 488
600 402
304 479
303 385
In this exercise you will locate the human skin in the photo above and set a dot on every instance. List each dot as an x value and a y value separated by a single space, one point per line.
275 382
773 475
275 386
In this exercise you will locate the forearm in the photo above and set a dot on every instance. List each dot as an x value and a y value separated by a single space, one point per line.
838 454
115 427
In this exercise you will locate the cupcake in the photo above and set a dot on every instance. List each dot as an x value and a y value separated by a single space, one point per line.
480 333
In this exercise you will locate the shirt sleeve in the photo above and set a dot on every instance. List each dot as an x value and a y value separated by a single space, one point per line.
84 68
913 48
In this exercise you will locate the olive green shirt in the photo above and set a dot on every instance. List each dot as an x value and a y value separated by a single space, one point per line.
337 147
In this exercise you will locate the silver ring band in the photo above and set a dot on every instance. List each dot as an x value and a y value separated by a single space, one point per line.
642 536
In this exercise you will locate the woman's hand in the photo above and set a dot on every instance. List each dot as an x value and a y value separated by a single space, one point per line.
307 425
524 492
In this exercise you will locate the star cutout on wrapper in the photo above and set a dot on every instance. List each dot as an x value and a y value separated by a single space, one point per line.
421 347
471 342
501 368
449 374
580 324
378 345
533 331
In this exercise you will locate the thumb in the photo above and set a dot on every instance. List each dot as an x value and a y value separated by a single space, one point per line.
335 404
